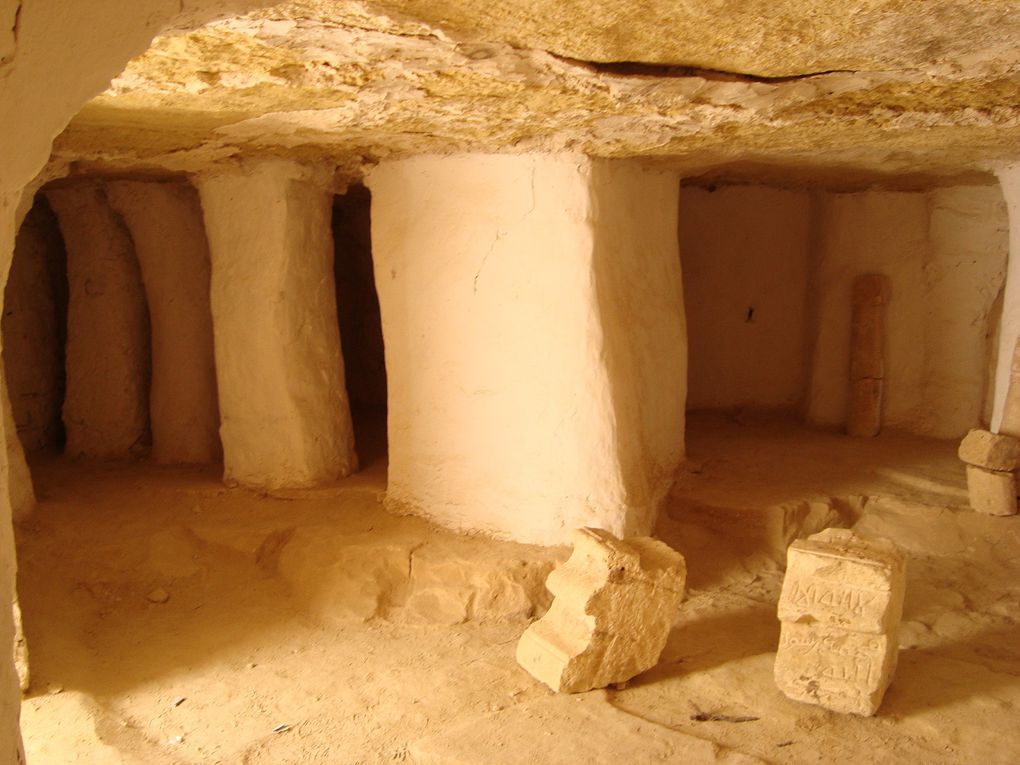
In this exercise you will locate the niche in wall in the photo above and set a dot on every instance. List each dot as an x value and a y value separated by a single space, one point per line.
745 256
360 322
768 274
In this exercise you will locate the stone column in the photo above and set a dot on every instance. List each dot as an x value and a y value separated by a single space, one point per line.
10 695
165 221
106 406
285 420
535 341
1009 327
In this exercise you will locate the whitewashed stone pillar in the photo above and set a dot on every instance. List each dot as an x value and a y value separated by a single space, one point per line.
165 221
285 420
11 749
106 406
1009 327
535 341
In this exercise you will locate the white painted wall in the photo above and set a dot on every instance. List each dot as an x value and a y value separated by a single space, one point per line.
1009 328
746 248
944 253
519 354
964 275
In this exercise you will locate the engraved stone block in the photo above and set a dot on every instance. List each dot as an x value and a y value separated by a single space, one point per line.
992 492
834 668
988 450
840 610
615 603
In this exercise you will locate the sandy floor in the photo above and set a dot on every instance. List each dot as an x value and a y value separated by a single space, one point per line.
317 629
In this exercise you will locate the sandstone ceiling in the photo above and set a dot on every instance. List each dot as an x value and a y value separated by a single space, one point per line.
833 88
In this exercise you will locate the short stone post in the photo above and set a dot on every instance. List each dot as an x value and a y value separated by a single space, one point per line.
991 478
840 610
867 355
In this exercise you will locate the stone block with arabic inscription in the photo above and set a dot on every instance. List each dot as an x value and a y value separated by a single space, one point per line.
840 611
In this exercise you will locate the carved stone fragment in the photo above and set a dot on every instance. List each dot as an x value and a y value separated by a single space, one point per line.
615 603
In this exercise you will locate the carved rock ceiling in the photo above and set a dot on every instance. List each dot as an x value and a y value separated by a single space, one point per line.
830 90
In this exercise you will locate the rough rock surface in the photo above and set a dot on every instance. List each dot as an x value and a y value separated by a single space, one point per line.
615 603
357 580
453 581
888 87
411 576
840 610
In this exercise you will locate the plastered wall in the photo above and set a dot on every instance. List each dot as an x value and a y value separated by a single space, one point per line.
768 275
745 253
969 235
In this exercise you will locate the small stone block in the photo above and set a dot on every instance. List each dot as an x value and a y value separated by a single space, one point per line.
840 609
991 451
615 604
992 492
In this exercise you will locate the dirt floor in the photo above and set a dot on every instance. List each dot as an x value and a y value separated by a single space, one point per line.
172 620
